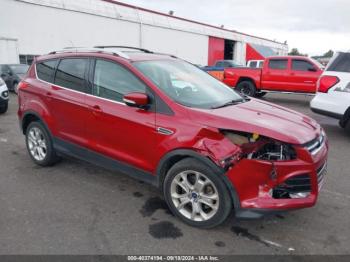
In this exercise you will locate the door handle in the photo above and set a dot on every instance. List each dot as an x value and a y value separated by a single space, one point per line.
96 109
49 96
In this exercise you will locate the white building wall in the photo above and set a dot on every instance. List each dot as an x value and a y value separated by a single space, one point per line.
42 29
189 46
44 25
8 51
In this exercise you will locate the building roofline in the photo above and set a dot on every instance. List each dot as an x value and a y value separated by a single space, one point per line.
187 20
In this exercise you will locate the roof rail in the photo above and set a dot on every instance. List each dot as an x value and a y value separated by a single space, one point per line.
85 49
125 47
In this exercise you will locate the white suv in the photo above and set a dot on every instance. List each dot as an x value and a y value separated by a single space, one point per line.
4 96
333 90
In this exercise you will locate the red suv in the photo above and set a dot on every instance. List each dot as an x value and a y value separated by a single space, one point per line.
164 121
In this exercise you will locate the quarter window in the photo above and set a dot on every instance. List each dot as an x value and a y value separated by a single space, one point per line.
278 64
253 64
113 81
302 65
46 70
70 74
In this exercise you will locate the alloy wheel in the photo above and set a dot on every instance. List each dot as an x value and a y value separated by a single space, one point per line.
194 195
37 144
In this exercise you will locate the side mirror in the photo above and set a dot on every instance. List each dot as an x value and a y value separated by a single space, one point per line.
136 99
312 69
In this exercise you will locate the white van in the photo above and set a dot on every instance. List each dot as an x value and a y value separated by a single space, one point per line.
333 90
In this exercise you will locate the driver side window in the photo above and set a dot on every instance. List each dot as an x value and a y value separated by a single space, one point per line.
113 81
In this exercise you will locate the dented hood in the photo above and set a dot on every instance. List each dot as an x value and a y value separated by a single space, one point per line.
256 116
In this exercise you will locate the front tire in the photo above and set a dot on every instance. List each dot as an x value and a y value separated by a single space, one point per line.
3 108
39 145
247 88
197 195
15 88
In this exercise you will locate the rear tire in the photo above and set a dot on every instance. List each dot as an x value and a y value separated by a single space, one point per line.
3 108
196 194
261 94
246 88
39 145
347 127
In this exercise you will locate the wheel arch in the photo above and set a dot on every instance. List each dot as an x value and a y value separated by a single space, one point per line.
29 117
245 78
177 155
345 119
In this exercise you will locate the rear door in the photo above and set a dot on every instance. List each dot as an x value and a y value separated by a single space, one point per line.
275 74
303 76
124 133
66 100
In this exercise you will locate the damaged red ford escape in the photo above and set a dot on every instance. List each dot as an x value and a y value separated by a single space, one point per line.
164 121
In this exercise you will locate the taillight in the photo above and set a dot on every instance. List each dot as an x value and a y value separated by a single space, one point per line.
228 74
326 82
22 85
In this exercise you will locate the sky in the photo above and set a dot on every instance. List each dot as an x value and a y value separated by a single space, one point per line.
312 26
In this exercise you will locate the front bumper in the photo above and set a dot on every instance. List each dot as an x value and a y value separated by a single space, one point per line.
4 94
262 187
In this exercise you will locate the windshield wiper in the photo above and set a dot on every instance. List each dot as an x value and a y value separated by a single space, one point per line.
229 103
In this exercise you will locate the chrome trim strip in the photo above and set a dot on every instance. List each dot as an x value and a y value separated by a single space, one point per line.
317 145
285 92
129 101
164 131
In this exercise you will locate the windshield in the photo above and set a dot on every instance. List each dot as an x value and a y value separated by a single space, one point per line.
19 69
188 85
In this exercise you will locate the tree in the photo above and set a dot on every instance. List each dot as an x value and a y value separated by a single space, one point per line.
330 53
295 52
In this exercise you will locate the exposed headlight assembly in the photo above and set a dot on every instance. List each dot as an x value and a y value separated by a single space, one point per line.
275 151
258 147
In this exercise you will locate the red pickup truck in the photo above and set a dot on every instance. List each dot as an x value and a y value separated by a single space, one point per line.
291 74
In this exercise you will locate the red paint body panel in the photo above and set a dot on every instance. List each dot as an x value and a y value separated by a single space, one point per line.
129 134
286 80
252 54
216 50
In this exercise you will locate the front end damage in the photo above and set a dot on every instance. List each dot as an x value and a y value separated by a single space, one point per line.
270 175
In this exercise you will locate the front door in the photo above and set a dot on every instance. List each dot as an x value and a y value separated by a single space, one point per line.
303 76
124 133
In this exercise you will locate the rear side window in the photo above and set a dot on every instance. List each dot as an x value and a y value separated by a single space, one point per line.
220 64
253 64
302 65
278 64
113 81
341 63
46 70
70 74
